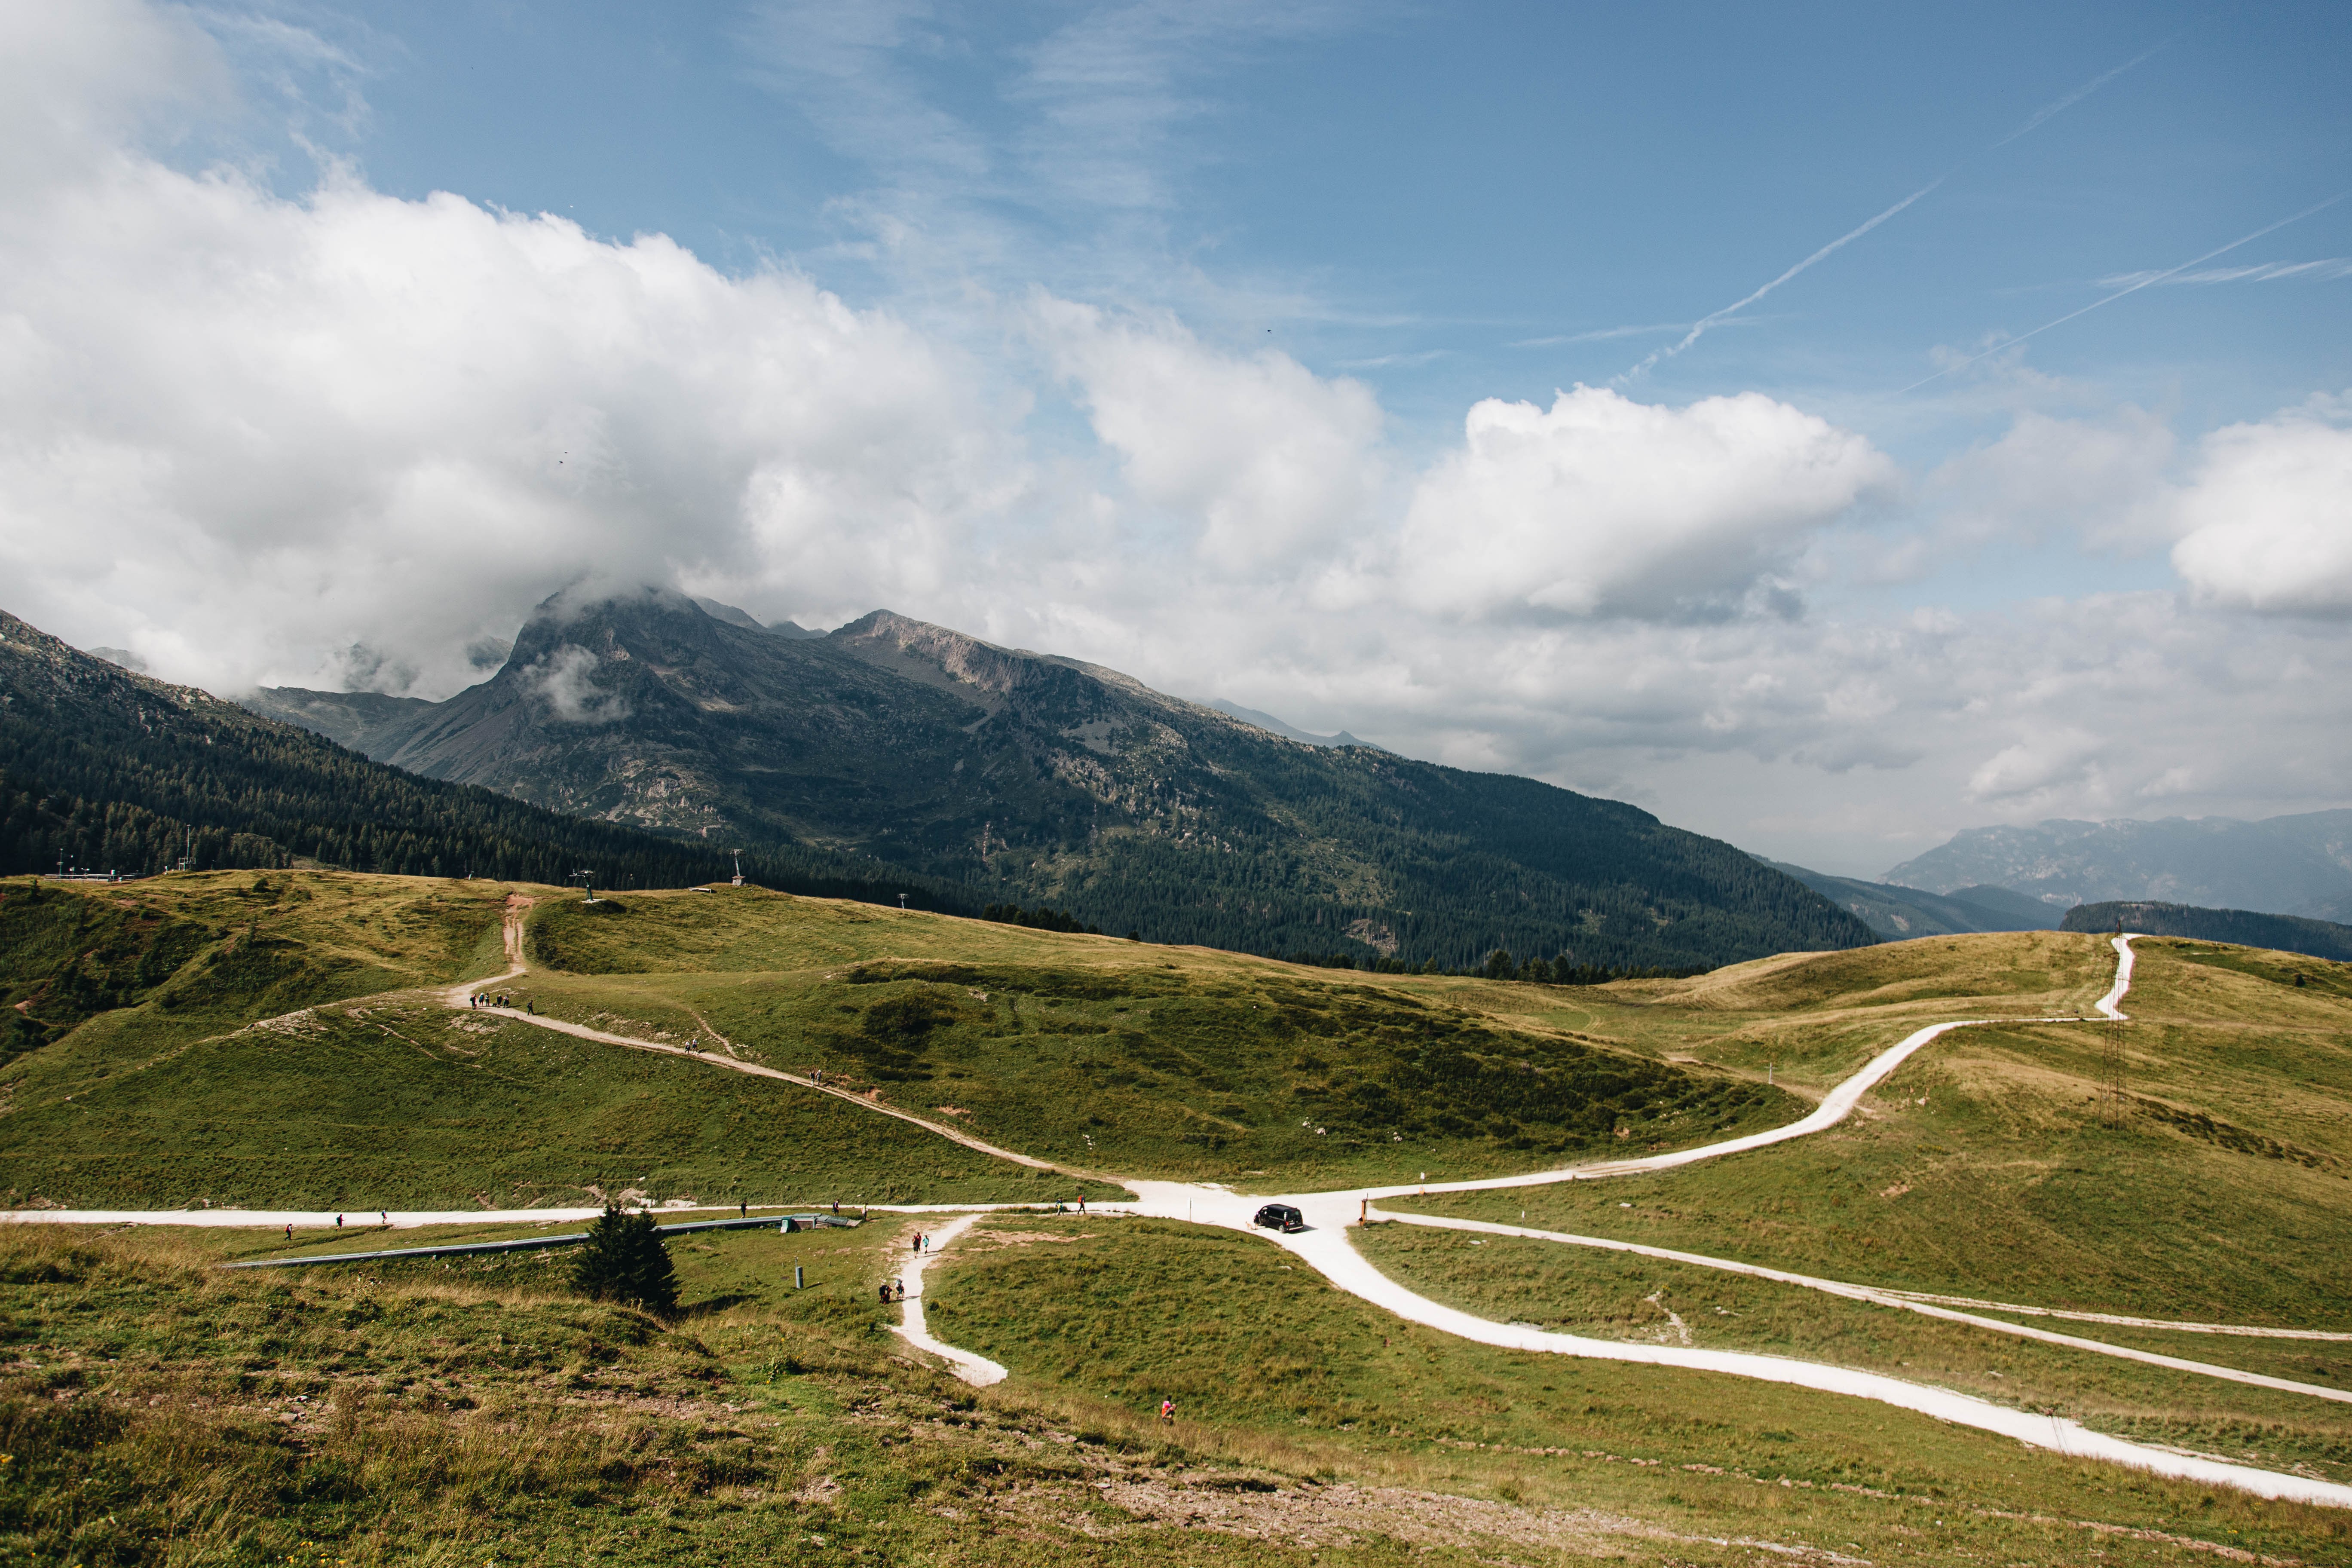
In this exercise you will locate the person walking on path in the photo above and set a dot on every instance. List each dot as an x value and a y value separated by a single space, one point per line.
886 1292
339 1222
289 1230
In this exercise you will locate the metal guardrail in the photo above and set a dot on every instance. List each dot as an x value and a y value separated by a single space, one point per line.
791 1222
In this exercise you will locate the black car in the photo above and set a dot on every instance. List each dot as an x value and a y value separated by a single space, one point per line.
1281 1217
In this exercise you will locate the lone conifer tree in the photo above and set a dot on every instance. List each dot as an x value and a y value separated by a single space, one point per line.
624 1260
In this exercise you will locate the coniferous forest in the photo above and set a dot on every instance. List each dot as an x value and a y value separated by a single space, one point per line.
102 770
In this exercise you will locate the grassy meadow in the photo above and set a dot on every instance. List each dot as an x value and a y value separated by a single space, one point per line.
1986 1167
275 1040
156 1411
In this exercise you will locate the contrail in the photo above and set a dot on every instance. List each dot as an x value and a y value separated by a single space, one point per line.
2062 105
2143 283
1699 327
2033 121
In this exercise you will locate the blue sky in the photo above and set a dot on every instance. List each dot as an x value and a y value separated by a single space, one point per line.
1173 317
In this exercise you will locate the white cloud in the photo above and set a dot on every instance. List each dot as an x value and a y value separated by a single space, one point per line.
347 437
1605 506
265 430
1262 459
2101 480
2266 518
565 681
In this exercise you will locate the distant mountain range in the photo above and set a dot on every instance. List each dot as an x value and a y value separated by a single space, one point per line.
1032 778
1899 913
2299 865
2247 928
1268 722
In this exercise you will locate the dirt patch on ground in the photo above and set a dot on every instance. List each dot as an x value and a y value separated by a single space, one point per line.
1317 1516
1020 1237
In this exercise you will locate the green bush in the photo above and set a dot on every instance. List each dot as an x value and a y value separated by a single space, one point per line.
624 1260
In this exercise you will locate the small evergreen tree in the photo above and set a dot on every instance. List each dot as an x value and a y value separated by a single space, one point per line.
624 1259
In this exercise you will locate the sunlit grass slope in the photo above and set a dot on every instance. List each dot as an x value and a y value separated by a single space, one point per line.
405 1105
1987 1166
201 1051
155 1412
1271 1356
1123 1056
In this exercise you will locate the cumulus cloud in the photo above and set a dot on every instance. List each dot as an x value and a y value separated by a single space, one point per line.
2100 479
272 428
346 439
1258 457
2266 517
1600 505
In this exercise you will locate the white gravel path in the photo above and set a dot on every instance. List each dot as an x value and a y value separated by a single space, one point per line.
976 1370
1900 1301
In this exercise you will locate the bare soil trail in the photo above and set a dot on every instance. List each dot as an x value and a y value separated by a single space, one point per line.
976 1370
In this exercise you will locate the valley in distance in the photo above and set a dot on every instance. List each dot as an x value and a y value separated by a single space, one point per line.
1829 1283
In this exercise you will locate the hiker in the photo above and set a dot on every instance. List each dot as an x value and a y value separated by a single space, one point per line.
386 1216
532 1007
837 1205
289 1230
1167 1412
744 1207
339 1222
902 1290
886 1292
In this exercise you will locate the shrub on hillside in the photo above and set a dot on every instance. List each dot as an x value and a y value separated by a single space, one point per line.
624 1260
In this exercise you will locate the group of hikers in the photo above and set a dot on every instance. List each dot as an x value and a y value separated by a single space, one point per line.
500 1000
896 1289
380 1214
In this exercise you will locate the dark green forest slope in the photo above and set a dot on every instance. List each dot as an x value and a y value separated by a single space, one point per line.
1037 779
113 771
2245 928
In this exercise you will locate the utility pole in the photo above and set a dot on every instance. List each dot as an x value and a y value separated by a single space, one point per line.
2112 1103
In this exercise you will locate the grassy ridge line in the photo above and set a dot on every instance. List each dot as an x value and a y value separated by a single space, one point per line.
1098 1053
2323 939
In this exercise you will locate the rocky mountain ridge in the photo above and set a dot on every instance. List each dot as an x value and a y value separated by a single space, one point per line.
1032 776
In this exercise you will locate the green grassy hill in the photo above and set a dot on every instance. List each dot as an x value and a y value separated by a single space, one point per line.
164 1069
206 1038
1118 1055
1987 1166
